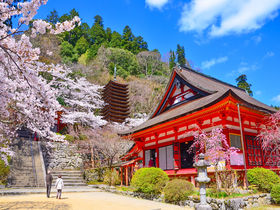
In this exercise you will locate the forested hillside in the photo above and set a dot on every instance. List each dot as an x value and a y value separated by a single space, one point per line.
94 51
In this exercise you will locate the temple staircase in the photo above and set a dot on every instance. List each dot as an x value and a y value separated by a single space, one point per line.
71 178
27 165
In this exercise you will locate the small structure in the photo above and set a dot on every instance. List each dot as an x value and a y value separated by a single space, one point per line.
201 166
192 100
116 97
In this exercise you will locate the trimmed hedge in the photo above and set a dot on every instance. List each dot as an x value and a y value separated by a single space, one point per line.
177 190
149 180
275 193
263 178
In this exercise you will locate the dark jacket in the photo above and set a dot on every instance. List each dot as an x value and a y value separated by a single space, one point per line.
49 179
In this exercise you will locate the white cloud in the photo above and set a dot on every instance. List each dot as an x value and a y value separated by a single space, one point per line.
244 67
276 98
222 17
212 62
269 54
258 92
257 39
156 3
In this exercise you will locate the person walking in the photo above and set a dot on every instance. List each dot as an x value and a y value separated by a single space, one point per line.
59 185
49 179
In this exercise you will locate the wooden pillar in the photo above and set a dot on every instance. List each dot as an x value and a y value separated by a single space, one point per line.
126 175
176 148
121 176
157 150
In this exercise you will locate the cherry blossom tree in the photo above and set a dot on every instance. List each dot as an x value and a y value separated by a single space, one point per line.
104 145
215 147
26 99
270 138
81 99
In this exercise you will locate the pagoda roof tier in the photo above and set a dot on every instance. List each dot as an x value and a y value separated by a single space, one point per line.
108 108
113 117
115 90
116 101
123 113
207 91
109 93
117 85
108 97
113 104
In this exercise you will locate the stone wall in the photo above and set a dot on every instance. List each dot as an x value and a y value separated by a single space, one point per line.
233 203
59 156
223 204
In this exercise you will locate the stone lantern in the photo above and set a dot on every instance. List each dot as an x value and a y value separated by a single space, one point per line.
201 166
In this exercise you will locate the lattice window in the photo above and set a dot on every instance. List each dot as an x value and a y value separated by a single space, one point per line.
270 158
254 151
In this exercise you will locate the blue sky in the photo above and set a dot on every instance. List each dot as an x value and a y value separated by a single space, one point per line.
223 38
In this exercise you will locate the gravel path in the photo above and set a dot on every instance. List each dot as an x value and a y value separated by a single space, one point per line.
82 201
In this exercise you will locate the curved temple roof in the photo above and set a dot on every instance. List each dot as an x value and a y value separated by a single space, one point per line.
217 90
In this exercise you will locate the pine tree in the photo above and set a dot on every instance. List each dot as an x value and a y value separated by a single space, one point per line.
172 59
181 59
242 83
116 40
97 32
53 17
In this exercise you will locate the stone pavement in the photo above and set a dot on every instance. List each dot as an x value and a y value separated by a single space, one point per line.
22 191
82 201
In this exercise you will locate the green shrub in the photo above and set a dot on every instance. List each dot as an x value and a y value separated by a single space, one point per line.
69 138
149 180
275 193
263 178
83 137
177 190
4 171
94 175
112 177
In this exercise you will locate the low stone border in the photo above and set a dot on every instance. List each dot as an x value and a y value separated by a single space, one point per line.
224 204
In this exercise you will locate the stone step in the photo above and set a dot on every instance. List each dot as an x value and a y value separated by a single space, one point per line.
66 172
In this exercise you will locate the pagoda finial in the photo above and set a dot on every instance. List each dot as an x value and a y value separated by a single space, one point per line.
115 73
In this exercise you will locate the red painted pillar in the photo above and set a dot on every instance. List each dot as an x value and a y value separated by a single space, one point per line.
121 176
126 175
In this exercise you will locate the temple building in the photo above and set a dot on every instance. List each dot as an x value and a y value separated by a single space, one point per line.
191 100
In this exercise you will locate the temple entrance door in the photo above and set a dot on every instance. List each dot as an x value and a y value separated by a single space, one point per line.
186 157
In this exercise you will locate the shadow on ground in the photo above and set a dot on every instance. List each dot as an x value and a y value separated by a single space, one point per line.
34 205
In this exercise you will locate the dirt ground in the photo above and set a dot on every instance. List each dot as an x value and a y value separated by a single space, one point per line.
82 201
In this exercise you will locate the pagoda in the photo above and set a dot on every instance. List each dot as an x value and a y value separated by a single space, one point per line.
116 98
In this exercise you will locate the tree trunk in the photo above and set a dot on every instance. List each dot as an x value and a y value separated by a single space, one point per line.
218 183
92 157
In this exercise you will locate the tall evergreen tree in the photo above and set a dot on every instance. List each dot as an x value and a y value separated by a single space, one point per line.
108 34
98 20
97 32
53 17
172 59
242 83
181 59
127 39
116 40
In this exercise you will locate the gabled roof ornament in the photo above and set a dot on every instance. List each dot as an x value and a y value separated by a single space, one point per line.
178 66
